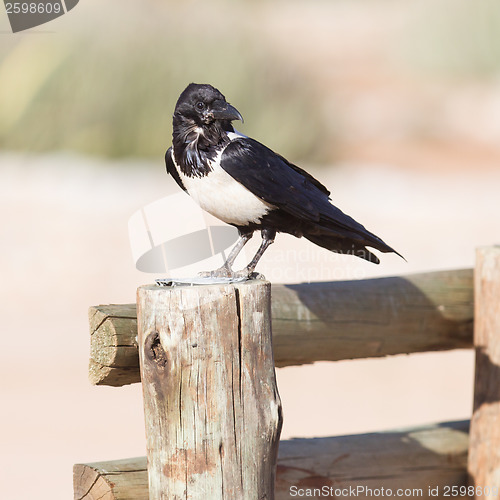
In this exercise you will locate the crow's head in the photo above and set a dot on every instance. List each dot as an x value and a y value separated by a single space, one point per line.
203 105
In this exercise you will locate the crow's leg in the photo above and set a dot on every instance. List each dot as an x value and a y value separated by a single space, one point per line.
268 236
225 271
244 238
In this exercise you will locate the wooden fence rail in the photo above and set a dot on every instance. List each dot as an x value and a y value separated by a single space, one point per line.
311 322
322 322
414 459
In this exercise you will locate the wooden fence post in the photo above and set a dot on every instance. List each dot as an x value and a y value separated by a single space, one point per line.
212 409
484 449
321 322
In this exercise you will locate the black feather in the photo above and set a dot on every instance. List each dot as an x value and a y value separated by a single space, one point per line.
302 202
169 163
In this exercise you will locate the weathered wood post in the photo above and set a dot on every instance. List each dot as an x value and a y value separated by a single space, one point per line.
212 409
484 448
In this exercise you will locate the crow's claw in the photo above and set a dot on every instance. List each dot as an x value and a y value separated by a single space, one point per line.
222 272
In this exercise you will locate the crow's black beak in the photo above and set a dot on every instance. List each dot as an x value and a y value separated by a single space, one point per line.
221 110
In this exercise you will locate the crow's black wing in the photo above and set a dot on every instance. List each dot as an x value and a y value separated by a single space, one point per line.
169 162
273 179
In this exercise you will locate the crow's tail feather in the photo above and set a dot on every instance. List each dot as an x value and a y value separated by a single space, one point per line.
353 246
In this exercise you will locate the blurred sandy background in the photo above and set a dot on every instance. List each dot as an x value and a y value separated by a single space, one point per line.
393 105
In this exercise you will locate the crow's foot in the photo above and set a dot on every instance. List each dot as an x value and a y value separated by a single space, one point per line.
247 273
222 272
225 272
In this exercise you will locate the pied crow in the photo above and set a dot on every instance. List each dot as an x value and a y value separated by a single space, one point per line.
242 182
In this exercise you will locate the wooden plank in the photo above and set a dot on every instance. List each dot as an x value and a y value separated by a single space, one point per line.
124 479
322 322
416 459
211 404
113 347
484 457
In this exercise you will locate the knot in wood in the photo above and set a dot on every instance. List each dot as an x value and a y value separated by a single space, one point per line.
153 350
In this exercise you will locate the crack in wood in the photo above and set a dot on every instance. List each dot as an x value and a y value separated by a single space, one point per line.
238 317
97 477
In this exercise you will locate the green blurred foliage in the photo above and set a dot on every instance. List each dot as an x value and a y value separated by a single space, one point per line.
106 80
110 90
455 38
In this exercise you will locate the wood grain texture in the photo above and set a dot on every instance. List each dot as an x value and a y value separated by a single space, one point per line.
323 322
212 409
124 479
113 345
484 457
432 456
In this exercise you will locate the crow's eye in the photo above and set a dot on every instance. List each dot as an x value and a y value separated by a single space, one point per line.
200 105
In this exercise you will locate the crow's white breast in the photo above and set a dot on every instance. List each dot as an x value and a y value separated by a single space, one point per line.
224 197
